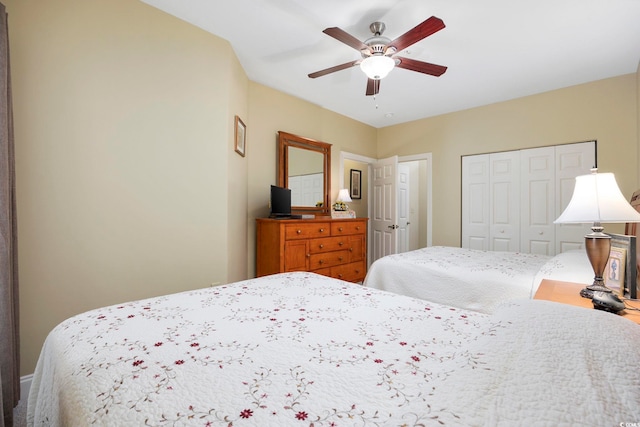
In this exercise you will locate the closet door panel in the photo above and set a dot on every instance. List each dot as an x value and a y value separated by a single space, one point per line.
504 215
475 202
537 174
571 160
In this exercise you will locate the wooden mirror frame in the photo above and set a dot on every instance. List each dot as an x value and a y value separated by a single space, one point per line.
286 140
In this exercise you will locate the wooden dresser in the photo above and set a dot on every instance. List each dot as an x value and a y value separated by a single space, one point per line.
331 247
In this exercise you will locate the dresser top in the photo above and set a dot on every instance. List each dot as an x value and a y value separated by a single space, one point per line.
316 219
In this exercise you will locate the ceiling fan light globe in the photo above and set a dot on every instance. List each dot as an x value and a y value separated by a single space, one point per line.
377 67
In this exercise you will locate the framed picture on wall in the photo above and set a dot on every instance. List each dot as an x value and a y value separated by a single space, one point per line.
241 137
356 184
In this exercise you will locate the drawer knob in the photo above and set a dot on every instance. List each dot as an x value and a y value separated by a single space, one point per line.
339 258
340 229
321 261
350 249
341 243
299 231
322 230
358 228
339 276
308 255
321 246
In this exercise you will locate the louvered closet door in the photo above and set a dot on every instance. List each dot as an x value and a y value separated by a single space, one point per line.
475 202
505 201
537 212
571 160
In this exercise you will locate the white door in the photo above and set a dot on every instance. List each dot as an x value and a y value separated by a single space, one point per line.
537 235
475 202
403 207
384 215
571 160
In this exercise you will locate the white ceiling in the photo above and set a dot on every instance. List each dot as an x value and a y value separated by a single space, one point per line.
495 49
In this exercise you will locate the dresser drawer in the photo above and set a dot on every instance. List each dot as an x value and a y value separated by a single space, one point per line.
348 227
328 244
328 259
306 231
352 272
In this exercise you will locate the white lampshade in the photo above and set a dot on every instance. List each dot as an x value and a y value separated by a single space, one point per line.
377 67
597 198
343 196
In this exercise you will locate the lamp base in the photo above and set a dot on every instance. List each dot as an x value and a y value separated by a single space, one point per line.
597 244
589 290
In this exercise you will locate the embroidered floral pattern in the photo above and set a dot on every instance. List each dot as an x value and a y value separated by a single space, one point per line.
292 349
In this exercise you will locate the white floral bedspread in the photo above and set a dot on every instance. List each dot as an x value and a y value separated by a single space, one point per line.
294 349
305 350
464 278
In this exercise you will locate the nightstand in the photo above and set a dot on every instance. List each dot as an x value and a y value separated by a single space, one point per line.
569 293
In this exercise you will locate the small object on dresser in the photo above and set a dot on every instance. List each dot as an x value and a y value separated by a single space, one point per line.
343 214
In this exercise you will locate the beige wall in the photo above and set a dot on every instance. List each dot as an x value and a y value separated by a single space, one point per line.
127 183
604 111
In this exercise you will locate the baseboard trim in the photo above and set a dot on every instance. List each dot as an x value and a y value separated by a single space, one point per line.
25 386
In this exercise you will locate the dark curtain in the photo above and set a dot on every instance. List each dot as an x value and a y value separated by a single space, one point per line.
9 335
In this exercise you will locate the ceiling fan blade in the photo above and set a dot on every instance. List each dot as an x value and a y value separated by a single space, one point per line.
417 33
345 38
373 87
421 67
334 69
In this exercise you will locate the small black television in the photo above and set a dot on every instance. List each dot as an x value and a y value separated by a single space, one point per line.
280 202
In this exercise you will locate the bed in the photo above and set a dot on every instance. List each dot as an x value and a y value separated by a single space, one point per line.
299 349
473 279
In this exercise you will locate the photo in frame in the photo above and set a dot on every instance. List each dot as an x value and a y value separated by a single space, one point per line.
240 137
614 273
355 185
626 244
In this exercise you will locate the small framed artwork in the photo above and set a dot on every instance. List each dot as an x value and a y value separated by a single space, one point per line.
615 271
626 244
356 183
241 137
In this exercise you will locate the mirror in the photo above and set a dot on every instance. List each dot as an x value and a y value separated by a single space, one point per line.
304 166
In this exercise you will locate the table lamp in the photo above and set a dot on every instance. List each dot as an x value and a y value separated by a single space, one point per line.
597 199
343 196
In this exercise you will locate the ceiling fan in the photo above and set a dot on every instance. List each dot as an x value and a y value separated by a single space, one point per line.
379 52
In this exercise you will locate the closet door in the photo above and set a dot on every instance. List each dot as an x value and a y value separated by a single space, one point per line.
571 160
504 199
537 204
475 202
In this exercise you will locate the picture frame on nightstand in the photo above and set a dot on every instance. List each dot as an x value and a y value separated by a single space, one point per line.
628 245
614 273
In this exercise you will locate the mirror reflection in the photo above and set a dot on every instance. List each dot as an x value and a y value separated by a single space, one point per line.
306 177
